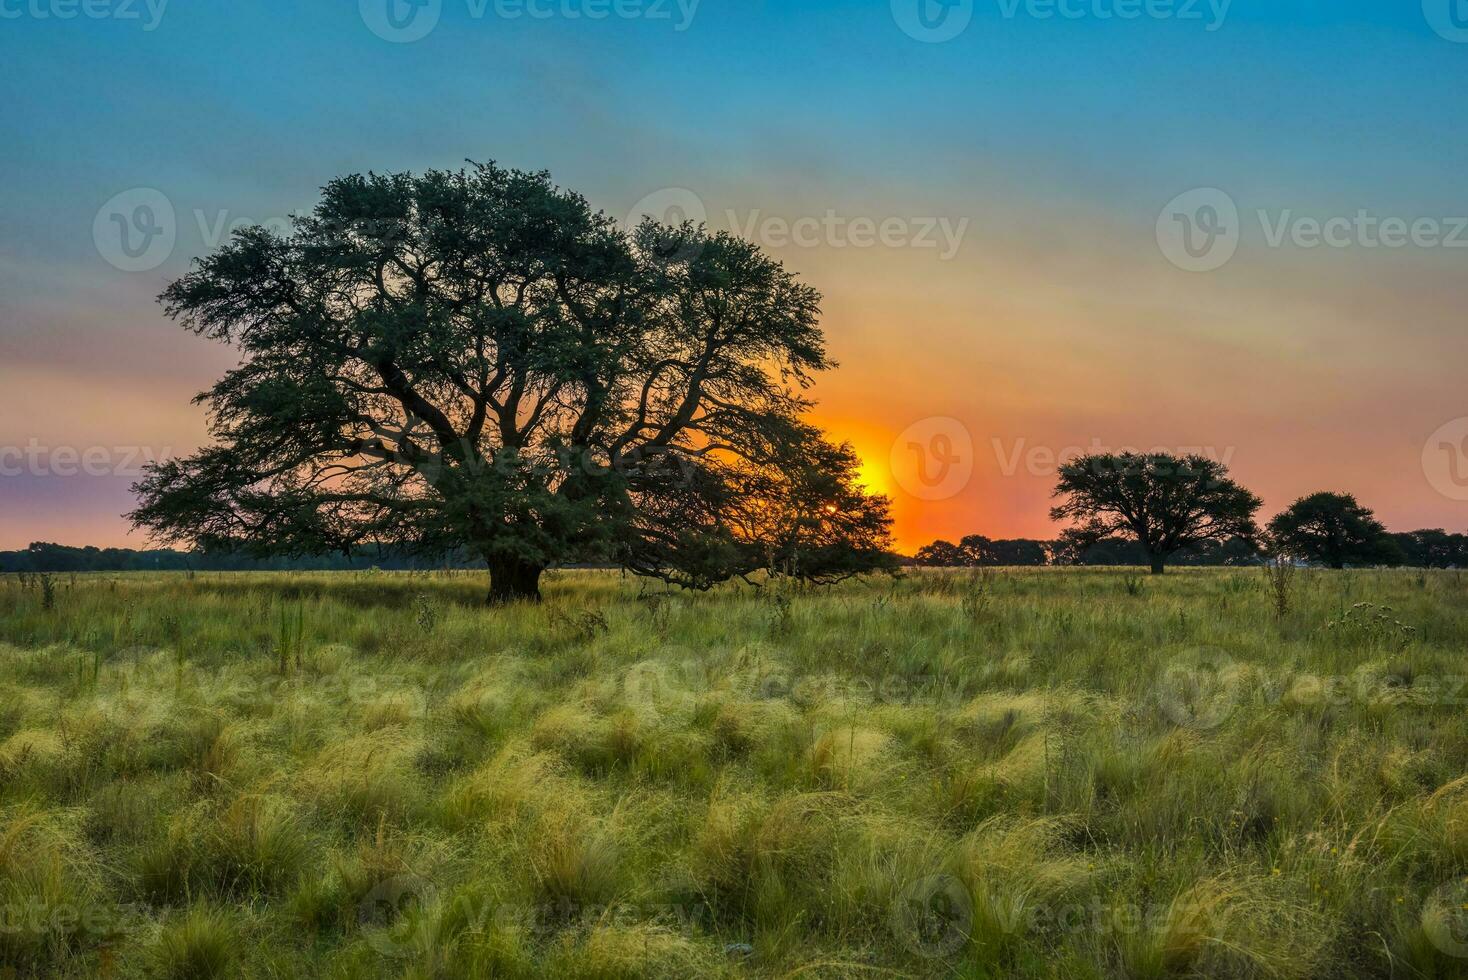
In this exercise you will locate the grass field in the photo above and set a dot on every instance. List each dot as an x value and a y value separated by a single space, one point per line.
1067 773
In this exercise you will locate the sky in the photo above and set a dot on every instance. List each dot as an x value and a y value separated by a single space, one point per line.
1040 227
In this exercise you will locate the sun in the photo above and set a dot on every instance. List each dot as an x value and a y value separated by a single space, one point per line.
872 475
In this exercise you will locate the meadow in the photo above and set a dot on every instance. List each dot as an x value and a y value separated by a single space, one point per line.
1035 773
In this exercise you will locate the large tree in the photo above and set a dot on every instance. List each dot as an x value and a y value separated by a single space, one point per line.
478 360
1163 502
1334 529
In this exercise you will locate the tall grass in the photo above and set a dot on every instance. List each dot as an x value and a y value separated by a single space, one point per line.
1024 773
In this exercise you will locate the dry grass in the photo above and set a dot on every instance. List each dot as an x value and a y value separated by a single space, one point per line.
1044 773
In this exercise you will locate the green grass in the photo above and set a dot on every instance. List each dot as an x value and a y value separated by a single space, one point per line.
1051 773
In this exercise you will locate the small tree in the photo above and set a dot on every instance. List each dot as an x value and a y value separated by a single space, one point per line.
1279 577
1332 528
1163 502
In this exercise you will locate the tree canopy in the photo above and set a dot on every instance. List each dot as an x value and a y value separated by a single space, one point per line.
1433 548
977 550
1163 502
477 359
1334 529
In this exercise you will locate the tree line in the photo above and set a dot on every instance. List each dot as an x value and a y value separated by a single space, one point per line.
45 556
1428 548
1155 509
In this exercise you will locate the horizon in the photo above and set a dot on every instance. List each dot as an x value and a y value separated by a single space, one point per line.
1011 271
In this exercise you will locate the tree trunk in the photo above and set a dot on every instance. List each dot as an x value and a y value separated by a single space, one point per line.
512 580
1157 567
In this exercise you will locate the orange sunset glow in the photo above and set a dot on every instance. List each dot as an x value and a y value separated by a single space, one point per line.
1026 287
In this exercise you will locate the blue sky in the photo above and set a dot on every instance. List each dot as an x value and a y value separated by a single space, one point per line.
1057 138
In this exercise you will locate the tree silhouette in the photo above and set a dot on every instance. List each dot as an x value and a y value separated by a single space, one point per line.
1163 502
1334 529
476 359
1433 548
977 550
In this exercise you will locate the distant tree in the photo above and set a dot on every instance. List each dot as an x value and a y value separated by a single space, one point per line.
1163 502
941 554
976 550
1332 528
46 557
1126 551
1075 548
1018 551
1230 551
477 360
1433 548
